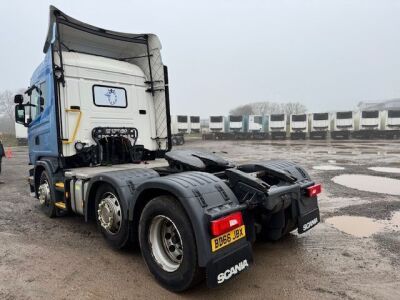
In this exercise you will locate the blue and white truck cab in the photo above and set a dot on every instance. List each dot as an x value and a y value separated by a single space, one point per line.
100 146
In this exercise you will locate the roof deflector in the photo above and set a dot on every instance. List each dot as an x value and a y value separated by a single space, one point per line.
74 35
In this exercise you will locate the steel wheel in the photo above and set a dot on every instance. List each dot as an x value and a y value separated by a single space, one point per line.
165 243
44 192
109 213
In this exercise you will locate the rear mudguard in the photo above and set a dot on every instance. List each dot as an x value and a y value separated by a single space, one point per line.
203 196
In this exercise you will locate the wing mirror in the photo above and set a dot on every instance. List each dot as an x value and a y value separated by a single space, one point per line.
18 99
20 114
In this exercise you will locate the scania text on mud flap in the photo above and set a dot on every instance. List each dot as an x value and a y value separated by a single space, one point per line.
99 142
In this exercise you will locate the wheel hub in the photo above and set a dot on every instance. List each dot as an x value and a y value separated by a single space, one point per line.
44 193
165 243
109 213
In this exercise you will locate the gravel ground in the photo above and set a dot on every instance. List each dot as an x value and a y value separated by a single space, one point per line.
66 258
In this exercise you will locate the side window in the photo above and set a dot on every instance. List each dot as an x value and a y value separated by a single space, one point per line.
35 104
43 94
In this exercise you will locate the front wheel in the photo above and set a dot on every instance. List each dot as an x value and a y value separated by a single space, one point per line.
46 195
167 243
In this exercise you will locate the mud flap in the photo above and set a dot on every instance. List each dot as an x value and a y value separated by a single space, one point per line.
230 264
308 213
308 221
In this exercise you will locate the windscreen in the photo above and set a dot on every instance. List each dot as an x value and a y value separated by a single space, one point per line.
235 118
279 117
299 118
320 117
258 119
344 115
394 114
182 119
194 119
370 114
217 119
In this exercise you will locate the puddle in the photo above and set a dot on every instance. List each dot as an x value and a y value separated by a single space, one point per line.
375 184
357 226
385 169
327 168
363 226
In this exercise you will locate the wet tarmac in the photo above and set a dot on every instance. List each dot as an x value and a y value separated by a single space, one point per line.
343 257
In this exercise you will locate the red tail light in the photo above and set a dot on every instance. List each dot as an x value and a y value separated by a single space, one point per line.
227 223
314 190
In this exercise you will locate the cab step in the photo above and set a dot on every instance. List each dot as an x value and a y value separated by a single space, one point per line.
60 205
59 186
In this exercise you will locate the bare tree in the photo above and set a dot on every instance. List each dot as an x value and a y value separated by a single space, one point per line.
294 108
246 109
267 108
7 118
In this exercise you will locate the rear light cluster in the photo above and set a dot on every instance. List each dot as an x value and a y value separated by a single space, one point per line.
314 190
227 223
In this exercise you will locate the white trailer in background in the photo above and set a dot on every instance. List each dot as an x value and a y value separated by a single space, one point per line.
319 127
369 124
255 128
236 123
255 123
277 126
21 134
391 124
343 125
194 124
298 126
216 124
179 127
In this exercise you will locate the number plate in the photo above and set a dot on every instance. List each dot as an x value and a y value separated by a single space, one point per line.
228 238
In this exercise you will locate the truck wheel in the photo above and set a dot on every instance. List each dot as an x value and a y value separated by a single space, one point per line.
46 195
167 243
111 216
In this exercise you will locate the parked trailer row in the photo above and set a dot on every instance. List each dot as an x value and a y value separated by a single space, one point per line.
338 125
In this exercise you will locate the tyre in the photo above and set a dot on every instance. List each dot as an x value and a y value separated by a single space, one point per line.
111 216
174 141
167 243
46 195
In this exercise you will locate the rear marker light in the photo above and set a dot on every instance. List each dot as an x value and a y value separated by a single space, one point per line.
227 223
314 190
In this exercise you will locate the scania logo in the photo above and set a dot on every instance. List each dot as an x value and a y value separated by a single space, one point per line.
232 271
111 96
310 224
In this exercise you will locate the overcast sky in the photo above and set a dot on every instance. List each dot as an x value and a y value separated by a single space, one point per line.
329 55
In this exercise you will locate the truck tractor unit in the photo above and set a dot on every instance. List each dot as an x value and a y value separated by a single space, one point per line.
277 126
99 143
343 125
194 124
179 127
319 127
298 127
369 125
391 124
